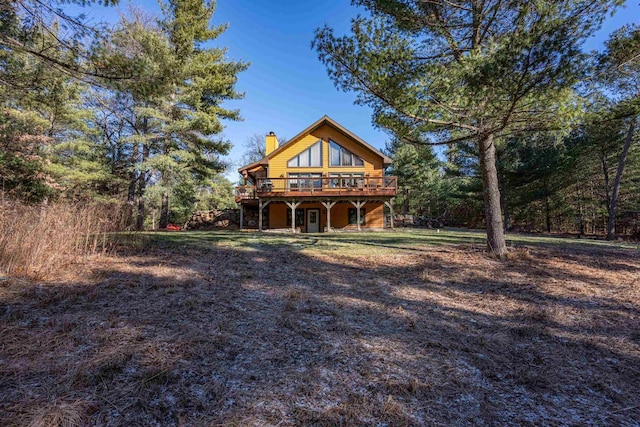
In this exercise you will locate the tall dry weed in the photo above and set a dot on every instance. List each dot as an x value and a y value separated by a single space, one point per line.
40 241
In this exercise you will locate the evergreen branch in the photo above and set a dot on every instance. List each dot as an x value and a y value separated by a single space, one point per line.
71 69
354 72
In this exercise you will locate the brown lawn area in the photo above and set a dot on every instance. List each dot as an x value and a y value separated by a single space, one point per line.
386 329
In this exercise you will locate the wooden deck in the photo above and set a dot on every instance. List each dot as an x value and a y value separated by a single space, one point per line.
319 187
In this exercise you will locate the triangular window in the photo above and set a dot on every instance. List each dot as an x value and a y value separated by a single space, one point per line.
311 157
340 156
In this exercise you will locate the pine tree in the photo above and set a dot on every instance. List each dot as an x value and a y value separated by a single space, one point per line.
43 111
448 72
175 105
620 72
419 177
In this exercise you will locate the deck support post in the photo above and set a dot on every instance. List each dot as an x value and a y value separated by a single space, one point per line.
358 204
241 215
293 205
328 205
261 205
389 204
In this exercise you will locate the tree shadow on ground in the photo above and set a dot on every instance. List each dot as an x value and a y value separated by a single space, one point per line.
209 330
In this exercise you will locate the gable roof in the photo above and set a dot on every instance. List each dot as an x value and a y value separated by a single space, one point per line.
317 124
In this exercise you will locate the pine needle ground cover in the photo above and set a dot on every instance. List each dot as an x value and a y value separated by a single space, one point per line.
404 328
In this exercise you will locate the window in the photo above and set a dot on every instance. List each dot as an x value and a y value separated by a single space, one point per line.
340 156
346 158
304 181
299 217
345 180
356 180
353 216
293 183
311 157
335 181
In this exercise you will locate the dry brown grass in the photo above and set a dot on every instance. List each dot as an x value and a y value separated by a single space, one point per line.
60 414
276 334
42 241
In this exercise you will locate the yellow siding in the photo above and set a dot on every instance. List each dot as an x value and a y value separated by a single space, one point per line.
277 215
374 215
339 215
372 162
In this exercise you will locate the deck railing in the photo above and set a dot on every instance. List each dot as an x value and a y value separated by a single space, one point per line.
325 186
245 192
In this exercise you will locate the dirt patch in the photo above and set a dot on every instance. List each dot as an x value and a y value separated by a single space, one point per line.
298 334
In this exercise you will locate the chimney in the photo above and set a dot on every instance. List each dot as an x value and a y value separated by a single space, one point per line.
272 143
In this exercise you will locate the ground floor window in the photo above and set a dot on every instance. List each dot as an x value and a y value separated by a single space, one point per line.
353 216
299 217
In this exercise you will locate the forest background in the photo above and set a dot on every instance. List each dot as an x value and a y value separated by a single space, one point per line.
133 114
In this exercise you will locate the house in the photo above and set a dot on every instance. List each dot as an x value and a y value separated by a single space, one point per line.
323 179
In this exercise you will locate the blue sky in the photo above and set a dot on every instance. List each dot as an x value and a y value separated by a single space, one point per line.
286 86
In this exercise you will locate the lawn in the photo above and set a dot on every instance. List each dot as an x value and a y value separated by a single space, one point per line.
389 329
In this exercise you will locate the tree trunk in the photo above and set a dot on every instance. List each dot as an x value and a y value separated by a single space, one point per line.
547 213
546 206
405 203
504 203
164 211
605 173
140 216
491 191
580 214
131 193
142 188
616 184
142 180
